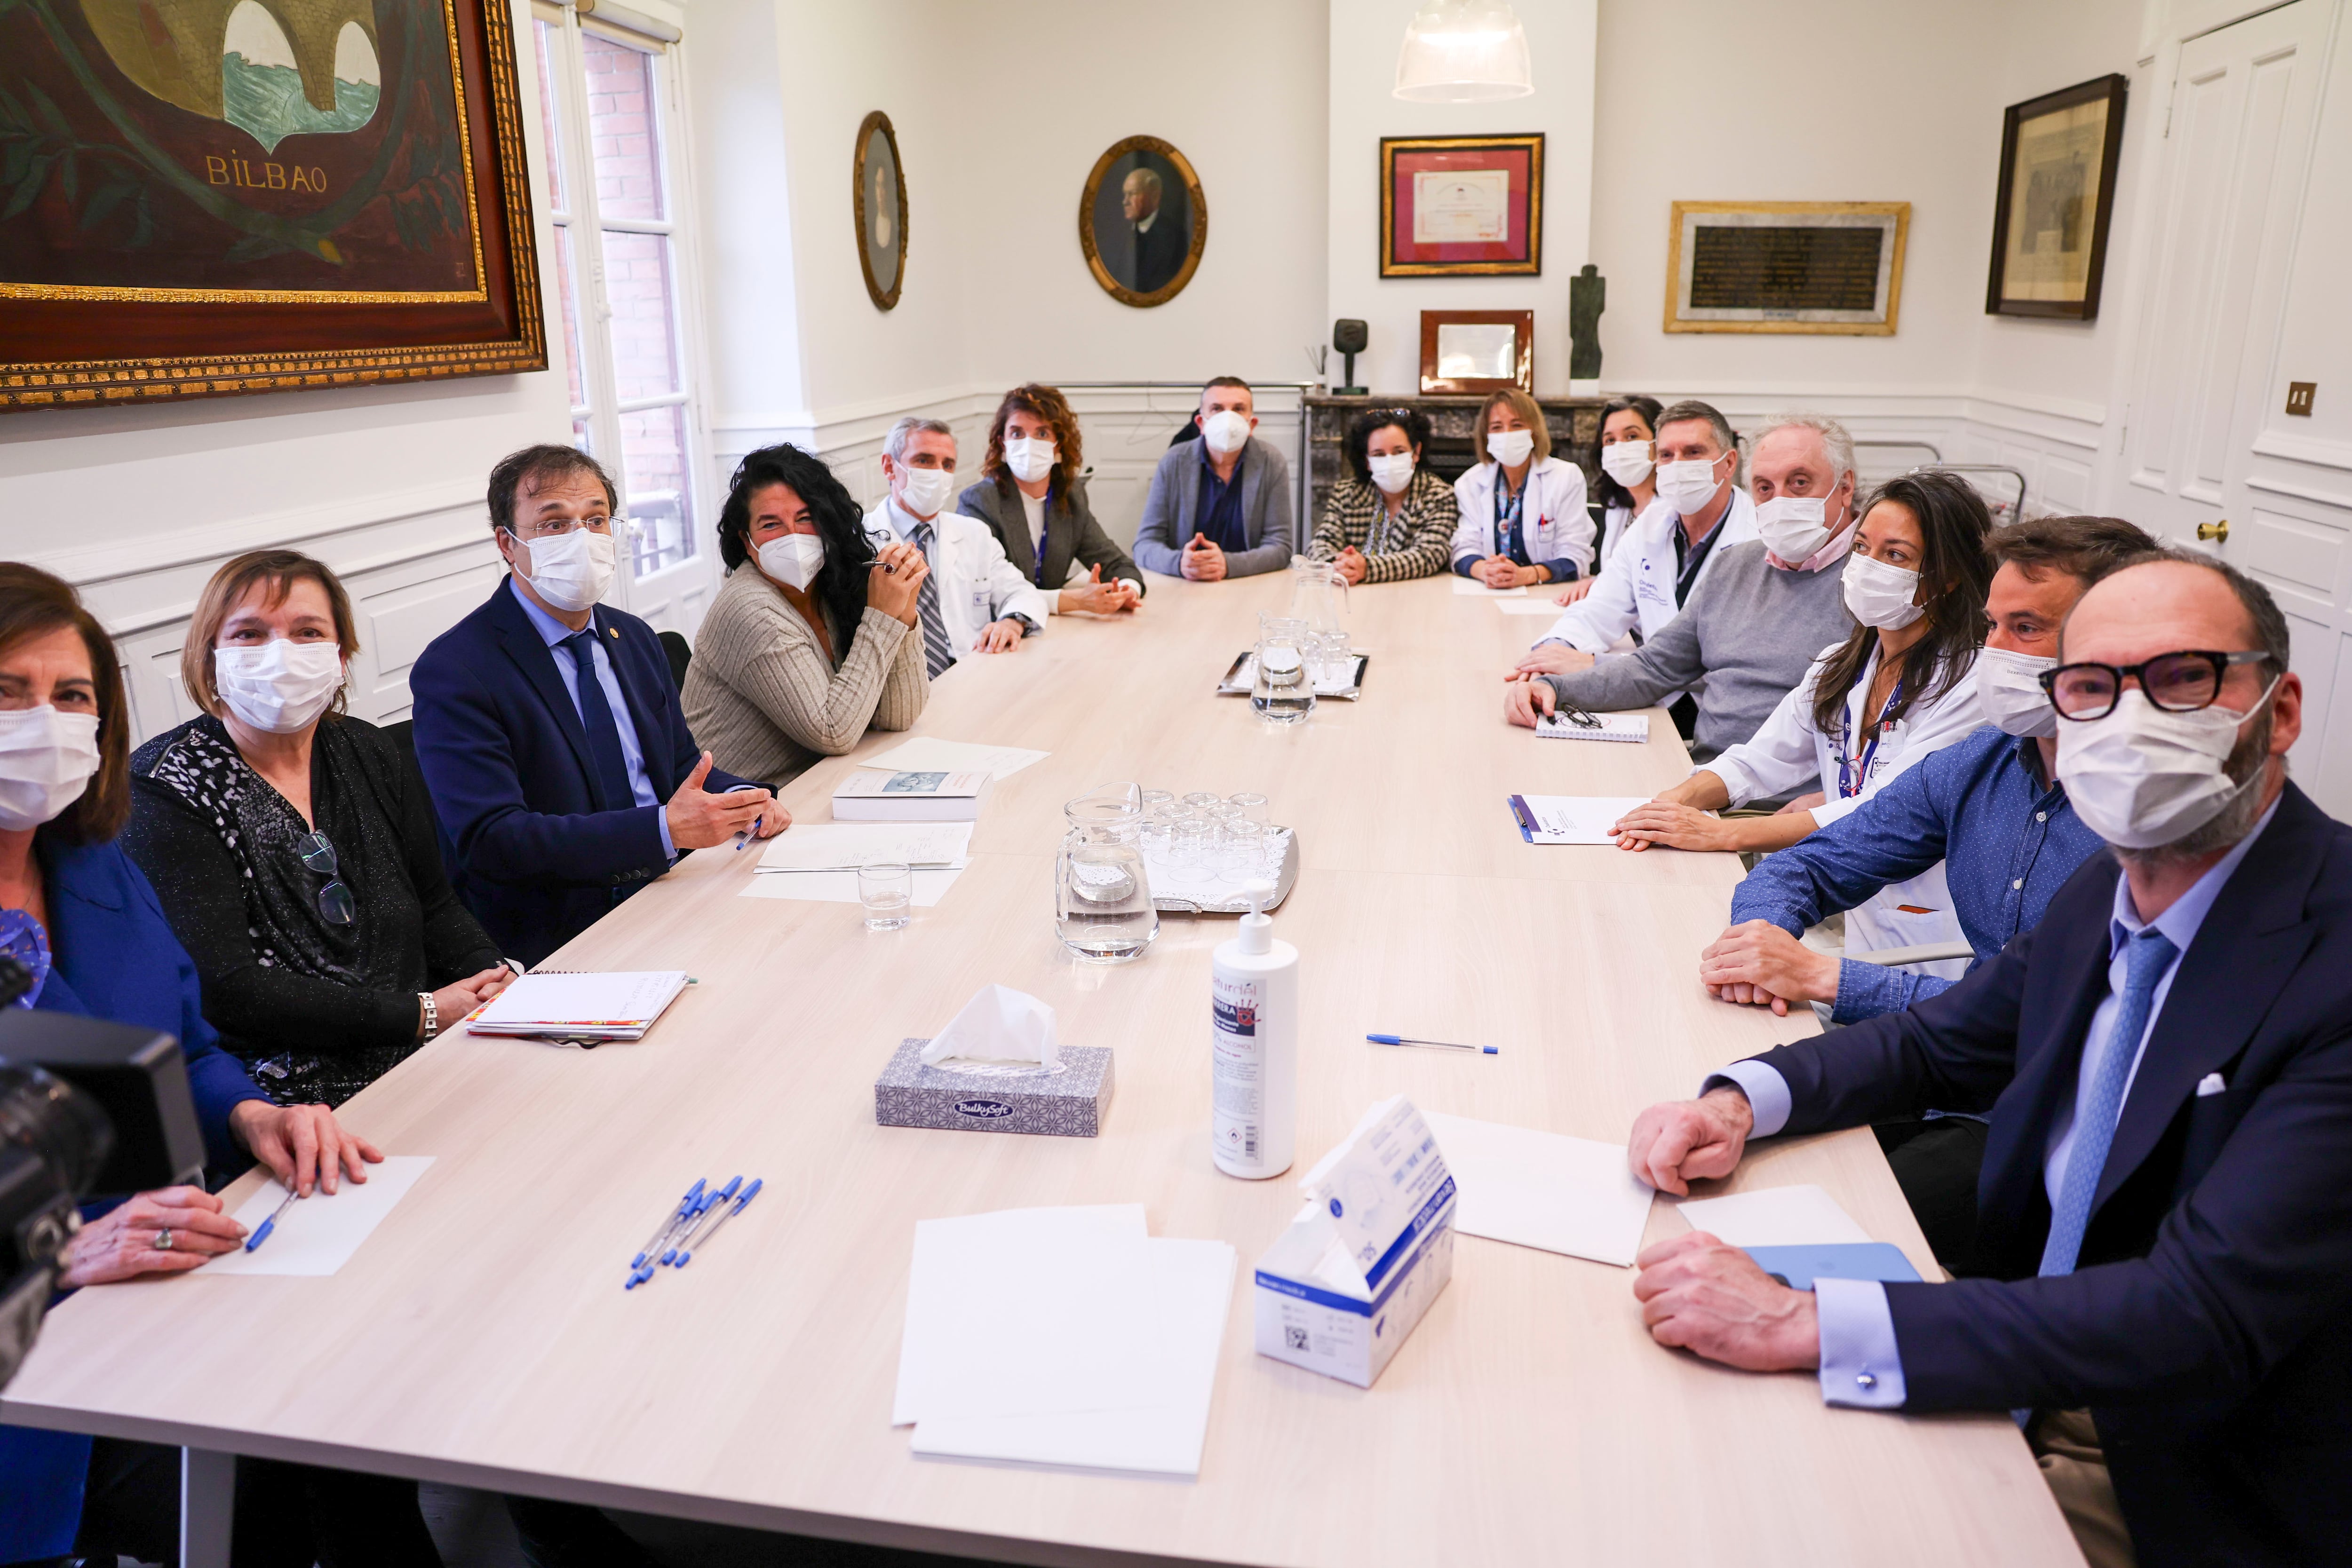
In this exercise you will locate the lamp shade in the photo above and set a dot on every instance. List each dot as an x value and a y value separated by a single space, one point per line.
1464 51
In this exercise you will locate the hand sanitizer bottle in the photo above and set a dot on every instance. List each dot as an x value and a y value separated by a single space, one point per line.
1254 1047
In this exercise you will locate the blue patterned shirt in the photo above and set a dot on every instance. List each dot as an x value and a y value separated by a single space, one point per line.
2007 840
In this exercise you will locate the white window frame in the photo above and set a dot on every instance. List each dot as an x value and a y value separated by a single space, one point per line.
584 226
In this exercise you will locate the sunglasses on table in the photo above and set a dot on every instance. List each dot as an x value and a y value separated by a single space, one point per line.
2177 683
335 902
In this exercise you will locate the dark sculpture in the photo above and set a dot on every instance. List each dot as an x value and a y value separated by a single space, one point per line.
1587 296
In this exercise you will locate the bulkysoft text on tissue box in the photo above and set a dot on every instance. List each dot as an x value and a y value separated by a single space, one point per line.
1341 1288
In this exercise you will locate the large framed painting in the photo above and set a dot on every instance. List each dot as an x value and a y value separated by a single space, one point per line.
1451 206
2058 157
200 197
1142 221
879 206
1787 266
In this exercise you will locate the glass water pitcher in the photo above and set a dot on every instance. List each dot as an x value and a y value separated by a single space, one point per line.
1102 896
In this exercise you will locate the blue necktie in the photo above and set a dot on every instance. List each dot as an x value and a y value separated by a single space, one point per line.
611 775
938 652
2145 958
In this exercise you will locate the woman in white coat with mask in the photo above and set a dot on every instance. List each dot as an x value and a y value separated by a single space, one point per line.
1898 688
1523 519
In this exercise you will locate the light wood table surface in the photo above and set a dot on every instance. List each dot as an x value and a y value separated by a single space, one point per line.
482 1336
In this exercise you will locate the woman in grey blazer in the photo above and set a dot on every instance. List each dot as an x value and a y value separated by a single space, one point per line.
1031 494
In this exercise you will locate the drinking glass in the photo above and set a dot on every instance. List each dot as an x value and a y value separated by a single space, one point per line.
1239 851
1200 799
1102 894
1190 844
1248 802
1157 798
886 890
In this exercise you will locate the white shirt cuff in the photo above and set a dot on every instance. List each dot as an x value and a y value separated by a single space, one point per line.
1861 1365
1767 1091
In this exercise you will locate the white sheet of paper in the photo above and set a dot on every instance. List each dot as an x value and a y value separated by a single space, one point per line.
1579 819
1471 588
317 1234
1543 1189
620 996
925 755
841 886
833 846
1802 1216
1510 606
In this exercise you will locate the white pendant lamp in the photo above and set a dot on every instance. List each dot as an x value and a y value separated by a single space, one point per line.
1464 51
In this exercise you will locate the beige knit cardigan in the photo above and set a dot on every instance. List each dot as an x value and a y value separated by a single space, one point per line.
762 698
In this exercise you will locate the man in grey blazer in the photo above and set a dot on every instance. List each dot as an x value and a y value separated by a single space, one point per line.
1219 507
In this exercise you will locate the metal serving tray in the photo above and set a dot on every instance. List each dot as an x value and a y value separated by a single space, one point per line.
1218 899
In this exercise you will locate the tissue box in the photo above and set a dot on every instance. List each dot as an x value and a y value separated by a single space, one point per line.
1065 1105
1303 1320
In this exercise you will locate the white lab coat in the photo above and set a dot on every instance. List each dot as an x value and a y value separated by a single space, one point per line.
1787 752
1636 584
1554 520
976 583
1615 521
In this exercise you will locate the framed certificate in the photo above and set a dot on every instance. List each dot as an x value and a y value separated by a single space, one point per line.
1461 204
2058 156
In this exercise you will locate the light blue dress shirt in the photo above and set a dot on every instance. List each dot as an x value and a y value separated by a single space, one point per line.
1861 1363
641 784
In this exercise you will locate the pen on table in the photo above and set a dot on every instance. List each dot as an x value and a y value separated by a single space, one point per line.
709 1201
1437 1044
268 1225
686 1253
748 834
669 1224
1526 818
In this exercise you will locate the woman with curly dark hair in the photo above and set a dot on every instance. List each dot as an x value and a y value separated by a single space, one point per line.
1032 494
811 641
1390 518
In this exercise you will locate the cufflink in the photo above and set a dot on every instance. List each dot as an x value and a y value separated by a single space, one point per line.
1865 1382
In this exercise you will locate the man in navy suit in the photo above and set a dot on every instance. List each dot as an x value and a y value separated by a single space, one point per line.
549 729
2166 1204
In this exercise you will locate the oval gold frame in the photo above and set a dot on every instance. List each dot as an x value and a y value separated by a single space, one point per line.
877 121
1174 286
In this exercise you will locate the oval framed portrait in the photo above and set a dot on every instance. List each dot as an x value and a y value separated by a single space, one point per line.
1142 221
878 202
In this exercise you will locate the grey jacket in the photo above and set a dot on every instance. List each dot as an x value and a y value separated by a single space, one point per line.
1171 509
1743 641
1072 535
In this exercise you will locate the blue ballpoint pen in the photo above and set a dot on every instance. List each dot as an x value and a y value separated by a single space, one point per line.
748 834
686 1253
268 1225
1441 1044
709 1201
670 1225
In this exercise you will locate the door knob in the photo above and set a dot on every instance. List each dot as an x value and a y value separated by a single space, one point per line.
2214 533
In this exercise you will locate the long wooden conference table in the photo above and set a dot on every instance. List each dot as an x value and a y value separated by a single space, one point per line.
481 1336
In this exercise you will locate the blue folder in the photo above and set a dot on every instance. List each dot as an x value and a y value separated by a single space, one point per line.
1798 1267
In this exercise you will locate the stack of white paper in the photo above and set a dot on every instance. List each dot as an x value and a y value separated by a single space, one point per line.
1572 819
1801 1216
925 755
621 1005
1543 1189
819 847
317 1234
1061 1336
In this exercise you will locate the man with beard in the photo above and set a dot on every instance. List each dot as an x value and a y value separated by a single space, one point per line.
2166 1207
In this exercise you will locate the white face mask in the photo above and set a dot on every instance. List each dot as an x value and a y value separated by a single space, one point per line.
2142 778
1880 595
1031 458
47 758
1392 472
1629 463
2009 689
923 491
1511 448
571 570
794 559
1793 526
282 687
1688 486
1224 431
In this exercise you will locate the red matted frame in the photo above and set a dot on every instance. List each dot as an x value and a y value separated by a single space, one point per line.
69 346
1405 159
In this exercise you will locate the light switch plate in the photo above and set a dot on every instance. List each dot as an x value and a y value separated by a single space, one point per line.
2299 395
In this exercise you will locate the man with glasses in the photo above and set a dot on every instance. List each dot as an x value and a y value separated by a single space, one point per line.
549 729
2165 1210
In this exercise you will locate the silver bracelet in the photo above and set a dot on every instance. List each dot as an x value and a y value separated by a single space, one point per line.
432 1014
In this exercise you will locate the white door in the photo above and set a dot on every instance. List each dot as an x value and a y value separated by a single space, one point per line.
2235 147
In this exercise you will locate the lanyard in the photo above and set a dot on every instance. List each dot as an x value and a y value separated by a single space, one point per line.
1045 526
1510 536
1851 780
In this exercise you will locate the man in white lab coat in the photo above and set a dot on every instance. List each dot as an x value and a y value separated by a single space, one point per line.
975 600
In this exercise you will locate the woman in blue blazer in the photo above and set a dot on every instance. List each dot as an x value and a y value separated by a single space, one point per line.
78 915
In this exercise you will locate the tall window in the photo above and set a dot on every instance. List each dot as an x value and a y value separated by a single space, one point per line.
605 110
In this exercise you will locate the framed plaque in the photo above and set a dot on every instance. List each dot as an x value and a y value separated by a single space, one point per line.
1478 350
197 200
1786 266
1461 204
2058 157
878 204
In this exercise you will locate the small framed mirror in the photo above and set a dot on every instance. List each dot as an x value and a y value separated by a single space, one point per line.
1478 350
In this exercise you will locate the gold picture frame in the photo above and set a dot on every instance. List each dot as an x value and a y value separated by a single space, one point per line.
1134 260
877 204
1508 244
1760 267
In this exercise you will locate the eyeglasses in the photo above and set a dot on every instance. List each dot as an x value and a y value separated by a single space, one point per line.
2177 683
335 902
556 527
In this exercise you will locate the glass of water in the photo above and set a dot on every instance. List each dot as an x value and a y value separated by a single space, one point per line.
886 890
1283 692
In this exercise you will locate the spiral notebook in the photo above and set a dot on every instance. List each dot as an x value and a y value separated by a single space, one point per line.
1627 726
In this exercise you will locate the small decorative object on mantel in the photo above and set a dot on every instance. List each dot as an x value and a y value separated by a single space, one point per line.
1142 221
1457 205
1478 350
878 202
2058 157
1351 336
1587 296
1786 266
